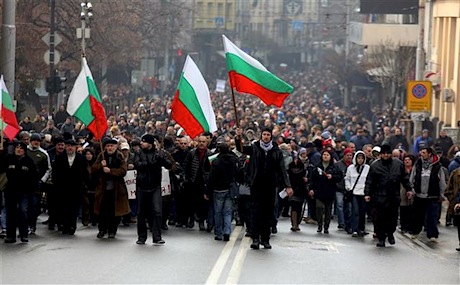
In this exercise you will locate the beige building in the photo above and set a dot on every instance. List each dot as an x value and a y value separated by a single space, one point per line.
445 59
214 14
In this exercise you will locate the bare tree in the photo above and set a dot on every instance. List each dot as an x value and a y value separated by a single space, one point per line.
392 65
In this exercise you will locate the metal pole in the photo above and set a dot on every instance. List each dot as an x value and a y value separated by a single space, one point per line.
420 60
420 65
8 52
346 101
51 69
83 36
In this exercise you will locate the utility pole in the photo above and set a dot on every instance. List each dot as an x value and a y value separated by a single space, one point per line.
8 52
420 60
52 45
346 101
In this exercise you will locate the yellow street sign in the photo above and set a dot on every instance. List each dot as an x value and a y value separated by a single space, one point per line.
419 96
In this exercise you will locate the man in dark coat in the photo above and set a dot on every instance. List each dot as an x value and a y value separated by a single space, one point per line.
444 141
70 174
196 168
148 162
383 189
179 155
223 172
22 176
266 172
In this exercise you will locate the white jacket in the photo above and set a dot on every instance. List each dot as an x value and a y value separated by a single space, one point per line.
352 175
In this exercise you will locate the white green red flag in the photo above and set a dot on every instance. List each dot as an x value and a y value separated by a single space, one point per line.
248 75
8 122
85 103
191 107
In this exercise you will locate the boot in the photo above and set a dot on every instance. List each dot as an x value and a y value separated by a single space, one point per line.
294 222
255 244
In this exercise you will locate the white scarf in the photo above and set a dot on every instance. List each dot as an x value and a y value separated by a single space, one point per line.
266 146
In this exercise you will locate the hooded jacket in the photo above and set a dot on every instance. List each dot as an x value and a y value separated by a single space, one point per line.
223 171
432 186
352 174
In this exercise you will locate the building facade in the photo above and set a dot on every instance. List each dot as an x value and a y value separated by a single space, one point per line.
444 60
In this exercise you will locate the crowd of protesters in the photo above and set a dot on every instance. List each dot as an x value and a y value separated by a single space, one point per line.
357 165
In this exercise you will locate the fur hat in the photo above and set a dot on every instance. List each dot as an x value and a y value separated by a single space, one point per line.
148 138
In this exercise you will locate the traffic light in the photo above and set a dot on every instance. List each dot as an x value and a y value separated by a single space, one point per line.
59 83
49 85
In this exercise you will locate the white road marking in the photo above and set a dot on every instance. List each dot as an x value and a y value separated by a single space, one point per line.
237 266
216 271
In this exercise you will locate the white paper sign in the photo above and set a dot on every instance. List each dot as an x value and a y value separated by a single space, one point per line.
220 85
130 181
165 182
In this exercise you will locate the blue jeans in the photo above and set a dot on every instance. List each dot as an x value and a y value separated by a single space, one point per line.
343 211
222 213
359 213
3 207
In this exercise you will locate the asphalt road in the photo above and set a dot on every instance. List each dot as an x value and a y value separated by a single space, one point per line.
193 257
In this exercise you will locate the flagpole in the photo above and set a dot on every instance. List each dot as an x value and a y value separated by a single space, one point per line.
236 118
1 135
234 108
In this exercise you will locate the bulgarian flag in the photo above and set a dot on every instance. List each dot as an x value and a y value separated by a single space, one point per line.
247 75
85 103
8 122
191 107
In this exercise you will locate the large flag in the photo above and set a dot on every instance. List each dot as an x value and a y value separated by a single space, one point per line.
8 122
191 107
247 75
85 103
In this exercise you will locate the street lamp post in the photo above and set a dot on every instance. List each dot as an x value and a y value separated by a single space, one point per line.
86 15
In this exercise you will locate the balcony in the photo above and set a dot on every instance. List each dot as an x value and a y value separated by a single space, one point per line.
373 34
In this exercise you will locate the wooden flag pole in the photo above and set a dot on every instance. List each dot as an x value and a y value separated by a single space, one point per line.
236 118
234 108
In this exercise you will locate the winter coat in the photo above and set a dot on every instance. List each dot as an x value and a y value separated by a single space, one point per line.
383 181
396 140
323 187
118 170
437 181
70 180
275 173
452 190
148 164
445 143
21 174
193 167
454 164
223 171
353 173
342 167
297 173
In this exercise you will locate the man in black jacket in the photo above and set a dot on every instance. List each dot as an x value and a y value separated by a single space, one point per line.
383 189
148 162
429 185
70 175
196 168
22 176
266 172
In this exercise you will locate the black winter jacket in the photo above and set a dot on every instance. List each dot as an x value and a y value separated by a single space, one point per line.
21 173
148 164
276 170
223 171
384 180
325 188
